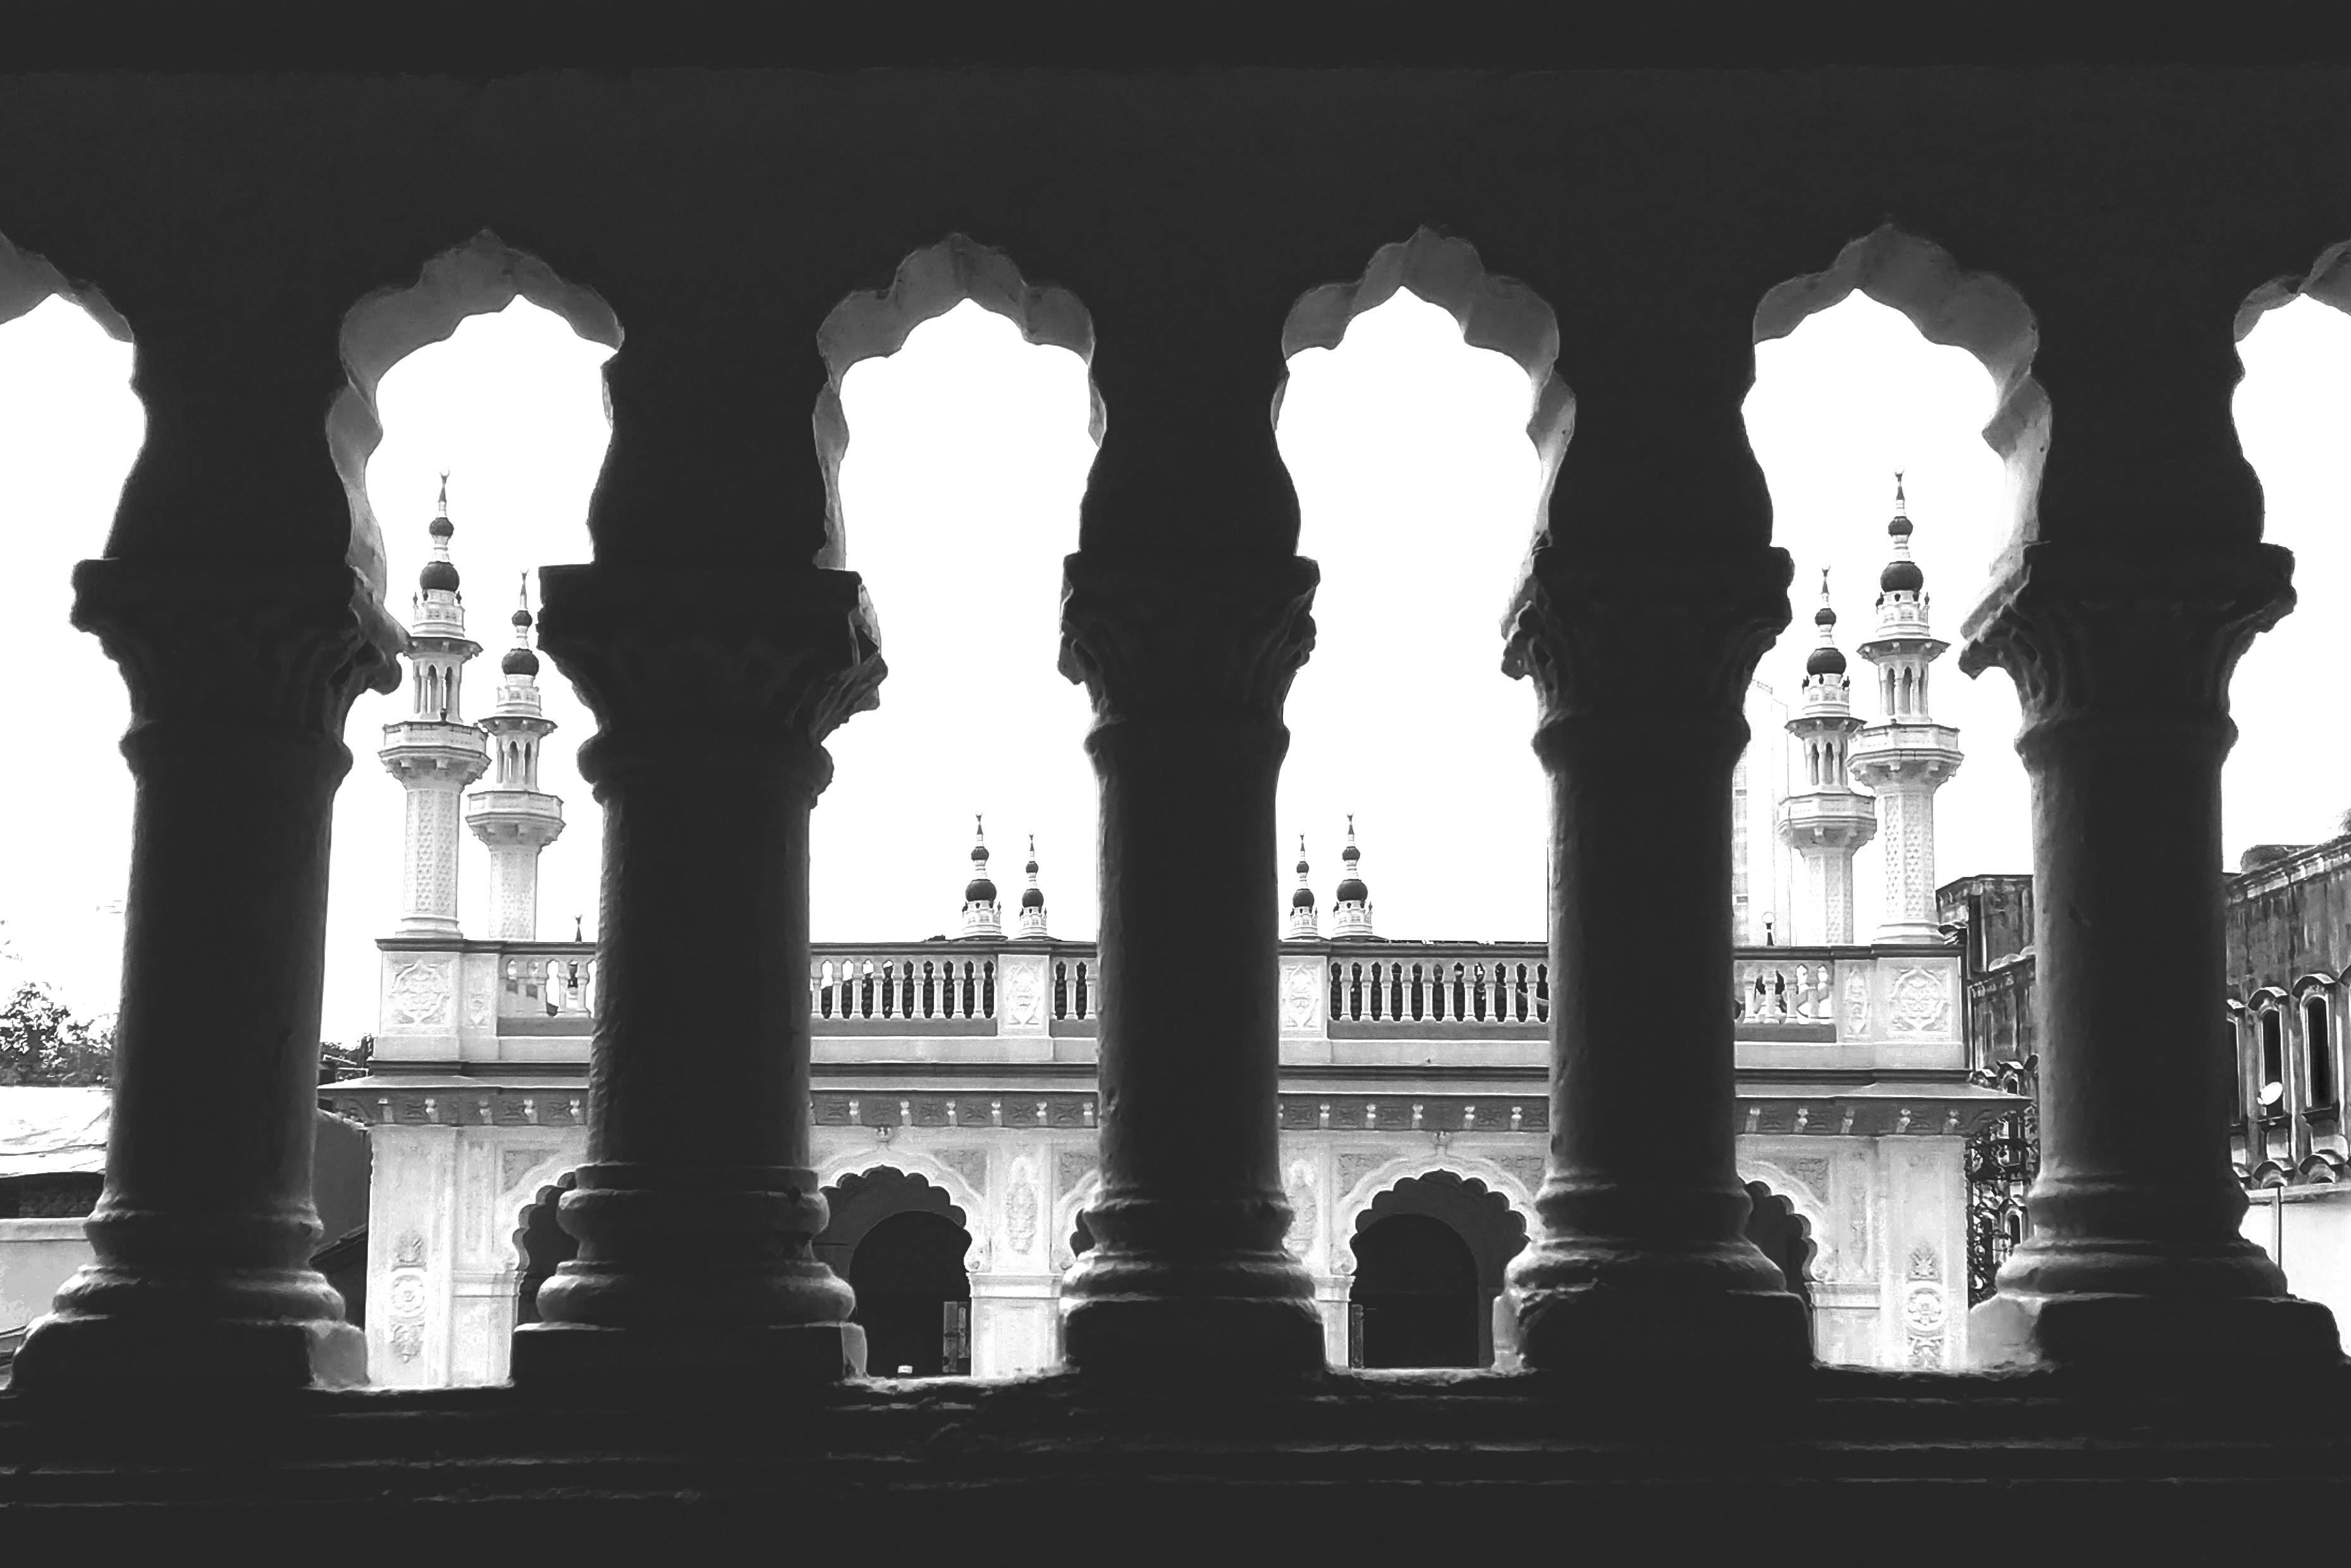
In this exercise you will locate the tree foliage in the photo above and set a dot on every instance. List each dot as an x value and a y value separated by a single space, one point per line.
42 1044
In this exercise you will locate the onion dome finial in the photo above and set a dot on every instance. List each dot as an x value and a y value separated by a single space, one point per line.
439 573
519 659
1901 574
979 890
1825 660
1351 889
1301 896
1034 897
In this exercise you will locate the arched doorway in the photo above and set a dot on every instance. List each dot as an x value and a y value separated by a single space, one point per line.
900 1243
1415 1299
543 1245
1424 1297
1785 1237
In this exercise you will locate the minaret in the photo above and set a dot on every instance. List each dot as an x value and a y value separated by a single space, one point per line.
512 815
1828 820
435 752
980 915
1305 925
1906 757
1032 902
1350 904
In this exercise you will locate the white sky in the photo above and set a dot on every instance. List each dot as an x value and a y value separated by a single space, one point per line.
962 483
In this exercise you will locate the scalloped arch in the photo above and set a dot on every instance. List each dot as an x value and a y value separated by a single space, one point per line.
2328 281
27 277
1494 312
874 324
1357 1200
971 1209
476 278
1954 308
1066 1211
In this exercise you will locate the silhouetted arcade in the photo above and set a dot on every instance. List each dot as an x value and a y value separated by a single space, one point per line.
718 1359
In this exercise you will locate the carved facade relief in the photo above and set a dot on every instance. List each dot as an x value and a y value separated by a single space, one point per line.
1920 1001
1020 1211
1024 992
419 993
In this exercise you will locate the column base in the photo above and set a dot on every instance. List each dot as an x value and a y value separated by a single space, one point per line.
1605 1330
1206 1337
2131 1332
80 1354
684 1358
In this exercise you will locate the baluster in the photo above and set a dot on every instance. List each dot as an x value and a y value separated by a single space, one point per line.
987 990
1396 991
1338 989
1060 989
1082 988
1543 993
930 995
1459 999
1419 997
1354 990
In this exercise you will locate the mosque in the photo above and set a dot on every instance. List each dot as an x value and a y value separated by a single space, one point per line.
953 1093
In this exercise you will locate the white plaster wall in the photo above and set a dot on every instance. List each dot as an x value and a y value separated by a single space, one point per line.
2309 1235
36 1256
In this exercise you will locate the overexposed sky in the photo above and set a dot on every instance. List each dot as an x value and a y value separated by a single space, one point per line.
967 461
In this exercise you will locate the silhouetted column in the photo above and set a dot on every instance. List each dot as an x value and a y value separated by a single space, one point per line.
696 1209
2122 659
241 674
1188 669
1642 1261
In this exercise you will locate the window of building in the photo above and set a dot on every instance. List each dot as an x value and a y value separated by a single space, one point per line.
2317 1041
2273 1079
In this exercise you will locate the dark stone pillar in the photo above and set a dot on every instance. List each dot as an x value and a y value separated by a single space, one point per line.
697 1209
1642 1260
2122 657
241 674
1188 668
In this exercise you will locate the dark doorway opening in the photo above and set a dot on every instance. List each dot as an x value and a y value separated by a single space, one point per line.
1415 1300
913 1297
545 1246
1477 1217
1785 1237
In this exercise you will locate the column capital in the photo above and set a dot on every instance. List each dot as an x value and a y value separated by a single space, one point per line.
1158 640
678 663
2104 633
1665 639
240 645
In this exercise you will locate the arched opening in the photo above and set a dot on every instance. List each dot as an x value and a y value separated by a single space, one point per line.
2281 783
1421 422
489 367
71 427
2272 1085
900 1243
1483 1223
1415 1301
957 431
2319 1052
1785 1237
1891 359
913 1297
542 1246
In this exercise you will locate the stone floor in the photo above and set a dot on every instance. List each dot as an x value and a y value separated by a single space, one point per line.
1379 1466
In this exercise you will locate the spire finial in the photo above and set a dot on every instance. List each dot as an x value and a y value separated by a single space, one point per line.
1901 506
980 917
441 508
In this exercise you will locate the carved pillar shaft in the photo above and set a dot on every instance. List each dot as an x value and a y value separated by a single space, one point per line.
1187 670
2121 664
697 1209
1643 1258
241 676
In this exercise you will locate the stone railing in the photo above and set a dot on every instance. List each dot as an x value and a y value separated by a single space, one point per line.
1500 985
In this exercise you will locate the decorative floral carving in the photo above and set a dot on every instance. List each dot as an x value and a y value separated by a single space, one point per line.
404 1304
1164 639
1303 1213
1921 1001
1020 1211
1856 1002
1529 1169
2129 632
1024 988
673 660
1301 995
1926 1263
969 1164
513 1164
287 645
1073 1166
1355 1164
420 992
1676 635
